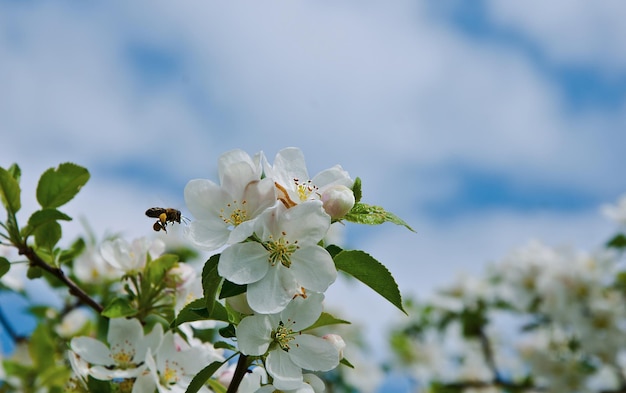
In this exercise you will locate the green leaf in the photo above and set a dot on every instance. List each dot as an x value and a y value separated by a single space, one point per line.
40 347
211 281
9 191
5 266
42 217
15 172
370 272
156 269
200 379
345 362
228 331
362 213
356 190
59 185
119 307
48 235
619 242
333 250
327 319
230 289
196 311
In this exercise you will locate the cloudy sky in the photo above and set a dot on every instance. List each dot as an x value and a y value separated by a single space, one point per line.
482 124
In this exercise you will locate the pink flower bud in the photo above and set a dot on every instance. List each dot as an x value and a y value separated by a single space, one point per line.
338 200
337 341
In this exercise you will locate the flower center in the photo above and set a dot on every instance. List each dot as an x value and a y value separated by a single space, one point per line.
237 215
280 251
305 189
170 374
123 357
283 335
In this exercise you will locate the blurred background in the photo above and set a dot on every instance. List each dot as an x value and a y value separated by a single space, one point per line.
482 124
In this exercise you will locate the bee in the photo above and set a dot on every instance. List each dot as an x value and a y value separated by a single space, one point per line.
164 216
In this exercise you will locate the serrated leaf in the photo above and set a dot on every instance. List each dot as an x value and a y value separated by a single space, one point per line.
5 266
363 213
59 185
370 272
211 281
119 307
326 319
200 379
9 191
42 217
230 289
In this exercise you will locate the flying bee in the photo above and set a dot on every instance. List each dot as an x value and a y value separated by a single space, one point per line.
164 215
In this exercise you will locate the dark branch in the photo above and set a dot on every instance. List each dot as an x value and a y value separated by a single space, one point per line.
74 289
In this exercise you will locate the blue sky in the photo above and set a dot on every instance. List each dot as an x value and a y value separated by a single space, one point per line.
483 125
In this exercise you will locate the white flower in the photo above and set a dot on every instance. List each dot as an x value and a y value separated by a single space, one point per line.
72 323
311 384
224 213
126 351
286 259
130 257
288 349
90 267
172 368
293 181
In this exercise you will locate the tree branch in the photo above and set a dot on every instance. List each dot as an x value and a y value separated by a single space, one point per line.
74 289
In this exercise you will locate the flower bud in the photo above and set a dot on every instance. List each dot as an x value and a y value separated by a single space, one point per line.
337 341
338 200
178 276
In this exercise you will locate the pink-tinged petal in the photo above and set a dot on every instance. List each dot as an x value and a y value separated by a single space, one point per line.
244 263
254 335
313 268
273 292
313 353
204 198
302 312
207 235
91 350
286 374
306 222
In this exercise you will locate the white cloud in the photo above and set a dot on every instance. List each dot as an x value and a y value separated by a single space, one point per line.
578 32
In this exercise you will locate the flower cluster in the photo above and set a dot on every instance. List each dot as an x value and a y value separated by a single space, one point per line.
271 220
543 319
140 317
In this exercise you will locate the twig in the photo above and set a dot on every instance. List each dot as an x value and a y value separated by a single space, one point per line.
74 289
240 372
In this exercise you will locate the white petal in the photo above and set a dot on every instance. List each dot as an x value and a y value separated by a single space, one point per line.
306 222
236 165
286 374
289 164
151 342
333 176
237 177
313 268
303 312
209 235
244 263
117 254
313 353
273 292
254 335
124 334
204 198
315 382
260 195
92 350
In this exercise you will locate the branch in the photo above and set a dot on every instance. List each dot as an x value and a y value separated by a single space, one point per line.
74 289
240 372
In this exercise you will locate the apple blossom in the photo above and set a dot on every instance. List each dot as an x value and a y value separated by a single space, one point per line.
292 178
124 356
337 200
285 260
130 257
224 213
288 349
